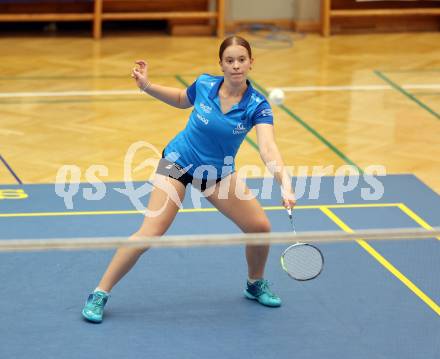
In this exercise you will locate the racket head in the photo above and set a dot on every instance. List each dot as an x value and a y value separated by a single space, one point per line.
302 261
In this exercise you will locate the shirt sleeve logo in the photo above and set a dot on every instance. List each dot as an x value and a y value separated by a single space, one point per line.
265 113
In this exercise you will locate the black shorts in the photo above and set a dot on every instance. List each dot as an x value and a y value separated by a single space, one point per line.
174 170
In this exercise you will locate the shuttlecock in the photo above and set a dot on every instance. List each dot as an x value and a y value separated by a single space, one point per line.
276 96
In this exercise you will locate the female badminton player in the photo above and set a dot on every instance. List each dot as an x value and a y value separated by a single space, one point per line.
225 109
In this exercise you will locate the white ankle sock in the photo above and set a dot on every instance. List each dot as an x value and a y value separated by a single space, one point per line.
253 280
97 289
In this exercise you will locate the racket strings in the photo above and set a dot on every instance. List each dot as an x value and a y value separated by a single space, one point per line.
303 261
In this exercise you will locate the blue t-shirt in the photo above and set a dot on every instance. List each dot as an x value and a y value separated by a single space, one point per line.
209 143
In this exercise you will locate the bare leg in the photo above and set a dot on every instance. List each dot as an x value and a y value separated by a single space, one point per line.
125 258
249 217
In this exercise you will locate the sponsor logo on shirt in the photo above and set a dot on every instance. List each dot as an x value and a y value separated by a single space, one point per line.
202 118
205 108
240 129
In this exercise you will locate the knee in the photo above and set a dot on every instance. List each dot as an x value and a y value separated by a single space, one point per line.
149 232
261 226
152 229
139 250
142 234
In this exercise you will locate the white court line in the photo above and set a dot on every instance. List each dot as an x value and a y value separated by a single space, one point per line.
8 132
69 93
285 89
357 88
334 88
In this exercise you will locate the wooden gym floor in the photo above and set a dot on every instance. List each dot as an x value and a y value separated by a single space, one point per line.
350 99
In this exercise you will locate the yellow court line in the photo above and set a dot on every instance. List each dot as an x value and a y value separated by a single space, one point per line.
319 206
61 214
390 267
415 217
188 210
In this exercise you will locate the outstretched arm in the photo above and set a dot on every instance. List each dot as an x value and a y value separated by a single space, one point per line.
272 159
170 95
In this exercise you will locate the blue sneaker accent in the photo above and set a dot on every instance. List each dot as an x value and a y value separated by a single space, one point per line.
94 307
261 292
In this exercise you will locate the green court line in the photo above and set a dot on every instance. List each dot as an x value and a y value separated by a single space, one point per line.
252 143
247 138
181 80
313 131
426 93
407 94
